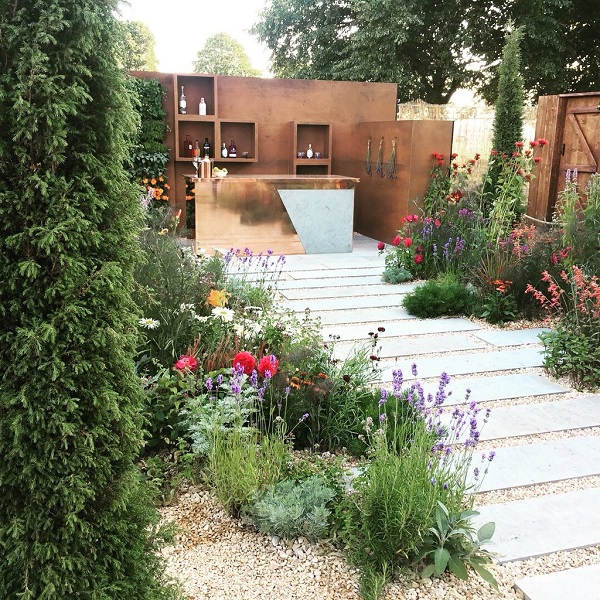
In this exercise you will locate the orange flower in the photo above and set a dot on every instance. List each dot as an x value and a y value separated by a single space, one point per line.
501 286
217 298
153 181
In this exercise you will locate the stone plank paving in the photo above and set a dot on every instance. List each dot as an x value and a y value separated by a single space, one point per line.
495 365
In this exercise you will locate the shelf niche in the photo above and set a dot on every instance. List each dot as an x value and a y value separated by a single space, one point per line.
245 135
197 130
196 87
318 135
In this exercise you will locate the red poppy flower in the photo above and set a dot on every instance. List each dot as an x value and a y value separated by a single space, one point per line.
267 366
186 363
542 142
246 360
380 245
418 258
519 144
407 242
396 241
537 159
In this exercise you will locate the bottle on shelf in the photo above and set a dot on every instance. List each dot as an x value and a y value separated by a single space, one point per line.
206 147
182 103
196 149
202 107
187 148
309 152
232 150
224 153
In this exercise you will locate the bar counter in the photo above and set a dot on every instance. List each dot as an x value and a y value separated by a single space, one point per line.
287 214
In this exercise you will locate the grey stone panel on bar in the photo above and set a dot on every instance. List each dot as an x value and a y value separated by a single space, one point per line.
581 583
515 337
544 462
538 526
464 364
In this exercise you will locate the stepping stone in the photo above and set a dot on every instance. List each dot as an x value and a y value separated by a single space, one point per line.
557 460
370 318
319 262
515 337
332 274
544 417
364 291
404 328
324 304
313 283
463 364
501 387
401 346
582 583
538 526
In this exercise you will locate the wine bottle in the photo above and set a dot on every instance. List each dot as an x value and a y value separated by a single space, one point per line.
224 153
309 152
206 147
187 149
232 150
182 103
202 107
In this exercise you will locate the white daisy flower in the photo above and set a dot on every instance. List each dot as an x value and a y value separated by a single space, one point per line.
148 323
225 314
184 307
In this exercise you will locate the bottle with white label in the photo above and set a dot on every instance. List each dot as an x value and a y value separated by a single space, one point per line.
309 152
232 150
182 103
224 152
202 107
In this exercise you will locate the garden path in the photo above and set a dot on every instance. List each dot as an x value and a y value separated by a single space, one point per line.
543 487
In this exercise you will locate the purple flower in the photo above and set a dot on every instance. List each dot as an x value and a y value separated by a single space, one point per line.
219 379
414 369
382 417
209 384
383 399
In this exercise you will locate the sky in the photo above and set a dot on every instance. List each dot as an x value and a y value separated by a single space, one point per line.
181 28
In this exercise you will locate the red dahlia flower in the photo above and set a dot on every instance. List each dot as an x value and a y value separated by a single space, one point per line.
267 366
186 362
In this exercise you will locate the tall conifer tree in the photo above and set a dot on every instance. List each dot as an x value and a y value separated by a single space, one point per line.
74 518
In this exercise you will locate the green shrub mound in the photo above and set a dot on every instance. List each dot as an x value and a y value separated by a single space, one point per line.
440 297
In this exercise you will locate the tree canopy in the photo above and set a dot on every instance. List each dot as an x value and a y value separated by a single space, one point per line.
432 48
135 47
223 55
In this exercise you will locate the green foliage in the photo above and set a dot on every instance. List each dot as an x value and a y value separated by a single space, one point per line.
135 46
508 120
223 55
293 509
394 272
453 544
75 519
445 296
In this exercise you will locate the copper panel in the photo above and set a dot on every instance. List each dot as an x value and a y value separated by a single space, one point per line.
239 212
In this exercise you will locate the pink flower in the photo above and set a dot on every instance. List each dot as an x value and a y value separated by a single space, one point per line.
407 242
418 258
245 360
437 223
396 241
267 366
380 245
186 363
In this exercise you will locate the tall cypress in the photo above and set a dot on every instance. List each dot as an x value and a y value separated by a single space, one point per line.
75 521
508 117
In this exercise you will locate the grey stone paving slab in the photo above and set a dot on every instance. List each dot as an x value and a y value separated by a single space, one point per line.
501 387
544 417
364 291
556 460
538 526
515 337
465 364
389 348
404 328
582 583
342 281
370 317
330 274
344 303
318 262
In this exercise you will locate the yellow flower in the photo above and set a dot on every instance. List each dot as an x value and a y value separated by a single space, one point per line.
217 298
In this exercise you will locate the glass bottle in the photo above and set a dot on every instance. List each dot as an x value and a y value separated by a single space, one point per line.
206 147
224 153
232 150
202 107
309 152
182 103
187 148
197 149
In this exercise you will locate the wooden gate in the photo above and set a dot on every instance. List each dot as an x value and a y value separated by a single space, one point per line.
571 124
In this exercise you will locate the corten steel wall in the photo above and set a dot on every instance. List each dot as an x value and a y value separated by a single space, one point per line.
353 110
571 124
